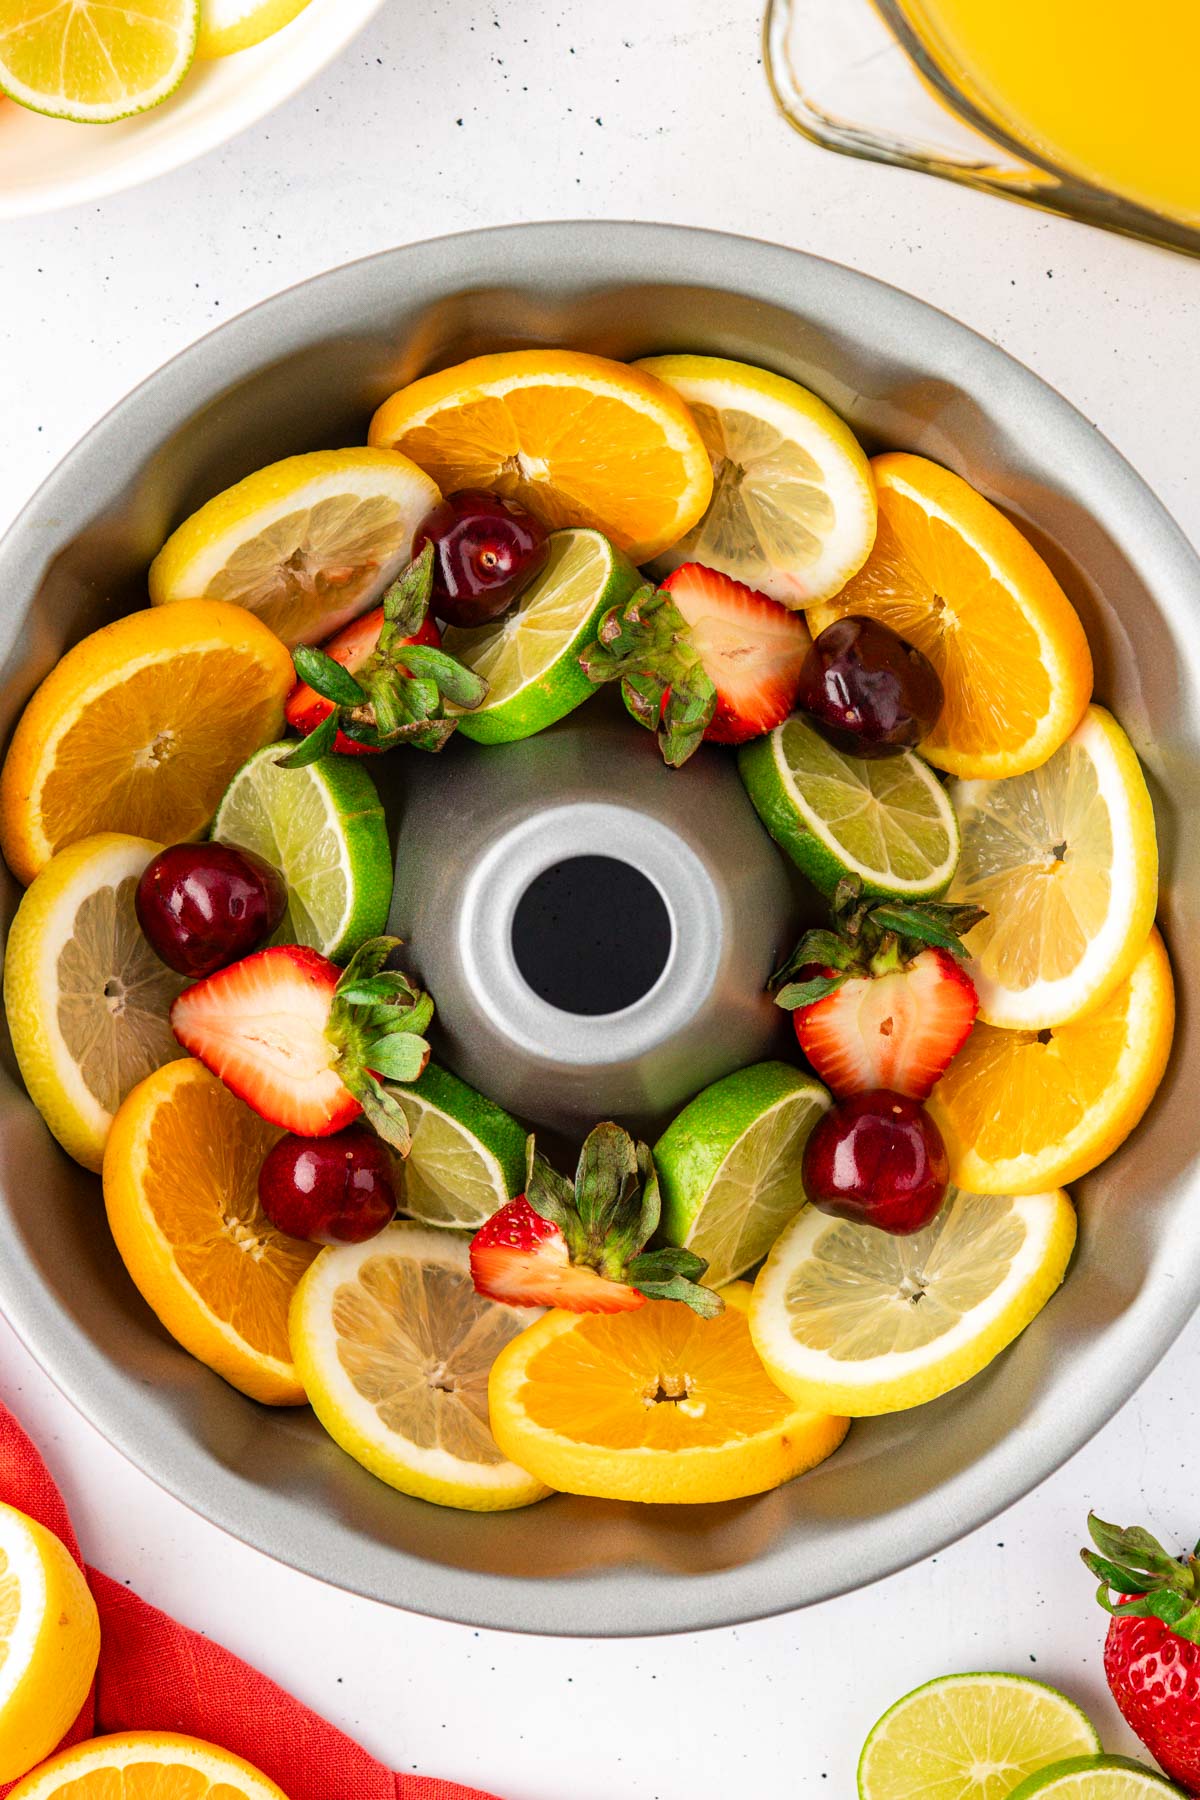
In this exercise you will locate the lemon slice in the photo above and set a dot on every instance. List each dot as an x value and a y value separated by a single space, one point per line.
85 995
49 1641
1065 862
793 505
971 1737
229 25
467 1157
1096 1778
307 543
94 62
851 1319
146 1765
394 1347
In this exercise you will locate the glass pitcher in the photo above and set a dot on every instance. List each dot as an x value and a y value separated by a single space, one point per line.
1086 107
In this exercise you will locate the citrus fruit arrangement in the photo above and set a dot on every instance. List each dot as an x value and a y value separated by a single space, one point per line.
206 1008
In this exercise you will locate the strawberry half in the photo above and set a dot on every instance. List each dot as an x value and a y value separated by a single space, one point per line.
384 680
882 1001
305 1043
581 1248
701 657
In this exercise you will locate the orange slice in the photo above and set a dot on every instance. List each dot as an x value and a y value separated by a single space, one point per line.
139 729
576 438
653 1405
952 575
146 1765
181 1189
1022 1111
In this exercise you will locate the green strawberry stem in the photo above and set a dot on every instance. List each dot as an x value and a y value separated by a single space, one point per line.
646 646
377 1022
1131 1563
869 937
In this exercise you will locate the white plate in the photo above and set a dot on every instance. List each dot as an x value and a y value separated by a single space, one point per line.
47 163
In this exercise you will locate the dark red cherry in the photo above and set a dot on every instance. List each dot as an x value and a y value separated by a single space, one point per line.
877 1158
331 1190
204 905
486 552
868 691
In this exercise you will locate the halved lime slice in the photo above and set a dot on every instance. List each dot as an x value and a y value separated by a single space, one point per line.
323 828
971 1737
729 1165
93 62
1096 1778
467 1156
530 658
886 820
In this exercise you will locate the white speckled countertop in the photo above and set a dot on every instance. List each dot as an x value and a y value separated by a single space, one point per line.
455 113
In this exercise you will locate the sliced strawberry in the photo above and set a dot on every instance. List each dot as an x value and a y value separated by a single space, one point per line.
898 1031
353 648
523 1259
304 1043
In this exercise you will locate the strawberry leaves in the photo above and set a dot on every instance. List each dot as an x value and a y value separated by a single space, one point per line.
646 646
1134 1563
870 937
377 1021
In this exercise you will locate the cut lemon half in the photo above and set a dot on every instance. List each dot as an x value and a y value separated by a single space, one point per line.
652 1405
954 577
94 62
576 438
49 1642
971 1737
307 544
230 25
1064 861
146 1765
1025 1110
851 1319
138 729
395 1346
85 996
181 1191
467 1156
793 503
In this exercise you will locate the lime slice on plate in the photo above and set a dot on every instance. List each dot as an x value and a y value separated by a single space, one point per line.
886 820
467 1156
971 1737
530 658
1096 1778
394 1348
323 828
850 1319
793 506
94 62
229 25
729 1165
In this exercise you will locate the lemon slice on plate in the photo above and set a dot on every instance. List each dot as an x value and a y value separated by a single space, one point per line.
793 503
1065 863
49 1641
851 1319
307 543
394 1346
94 62
230 25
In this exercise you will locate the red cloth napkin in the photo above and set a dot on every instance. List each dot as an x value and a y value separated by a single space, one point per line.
155 1674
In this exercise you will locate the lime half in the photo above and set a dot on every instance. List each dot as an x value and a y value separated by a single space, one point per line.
1096 1778
729 1165
94 62
971 1737
886 820
467 1156
530 658
323 828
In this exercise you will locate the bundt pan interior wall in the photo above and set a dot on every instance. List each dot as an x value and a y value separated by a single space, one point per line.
305 370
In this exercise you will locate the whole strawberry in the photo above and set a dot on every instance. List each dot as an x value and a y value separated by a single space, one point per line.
1152 1652
882 1000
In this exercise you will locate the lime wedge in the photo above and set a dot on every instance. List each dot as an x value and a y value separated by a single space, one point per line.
467 1156
886 820
323 828
1096 1778
971 1737
94 62
530 658
729 1165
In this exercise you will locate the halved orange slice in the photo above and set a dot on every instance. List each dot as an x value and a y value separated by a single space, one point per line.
146 1765
956 578
576 438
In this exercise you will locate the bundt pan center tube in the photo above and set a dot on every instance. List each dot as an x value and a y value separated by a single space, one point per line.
559 1037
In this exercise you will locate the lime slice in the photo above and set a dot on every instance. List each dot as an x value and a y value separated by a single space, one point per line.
1096 1778
394 1348
530 658
94 62
886 820
793 506
229 25
729 1165
467 1156
971 1737
323 828
850 1319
